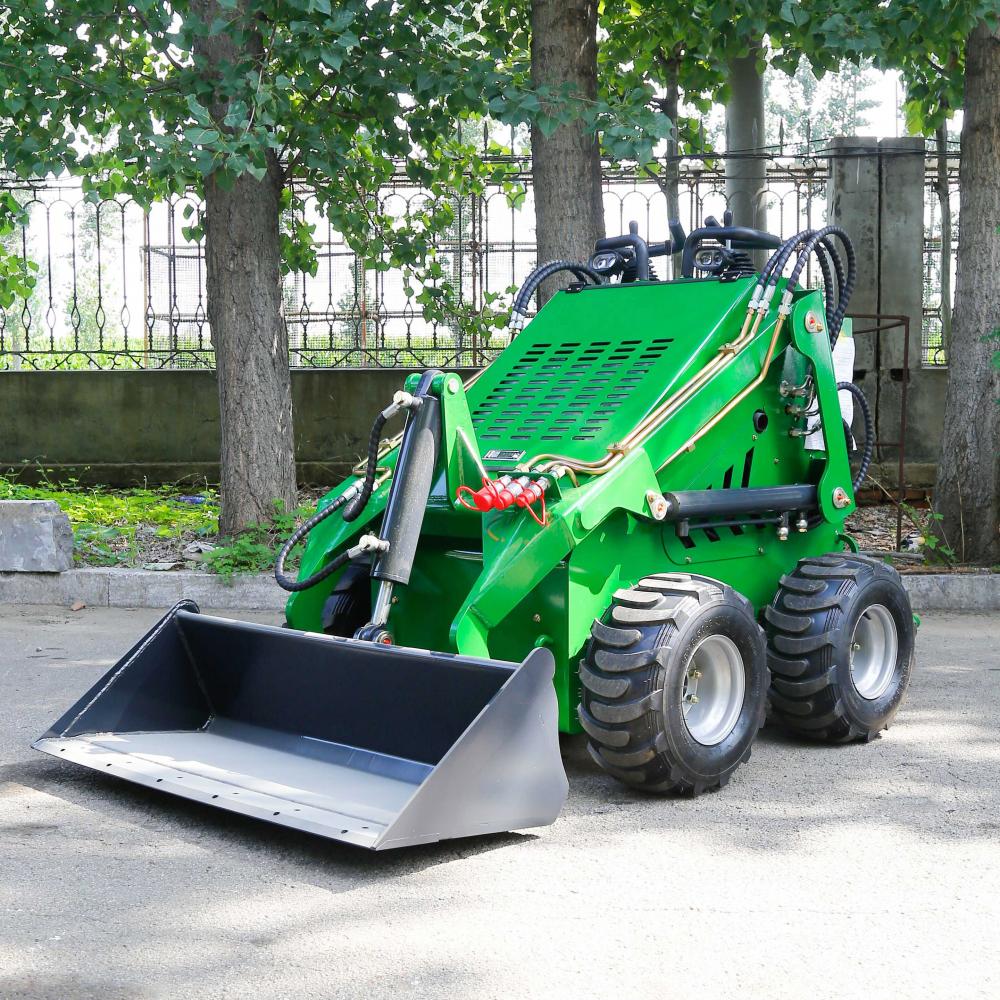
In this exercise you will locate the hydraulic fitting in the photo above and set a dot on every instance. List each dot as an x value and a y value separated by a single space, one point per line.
372 543
840 498
658 504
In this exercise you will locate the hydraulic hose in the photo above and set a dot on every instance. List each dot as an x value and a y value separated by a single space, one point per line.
846 288
829 290
837 286
545 271
838 267
849 280
869 448
774 267
356 498
519 313
775 264
293 586
358 504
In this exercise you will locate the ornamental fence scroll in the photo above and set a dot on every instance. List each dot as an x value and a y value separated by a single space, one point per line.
119 287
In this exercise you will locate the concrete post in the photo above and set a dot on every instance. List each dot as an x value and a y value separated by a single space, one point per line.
901 258
876 194
901 288
853 204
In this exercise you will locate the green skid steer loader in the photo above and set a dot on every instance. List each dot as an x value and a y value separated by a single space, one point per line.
631 524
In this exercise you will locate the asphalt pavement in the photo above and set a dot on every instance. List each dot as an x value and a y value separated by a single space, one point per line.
818 872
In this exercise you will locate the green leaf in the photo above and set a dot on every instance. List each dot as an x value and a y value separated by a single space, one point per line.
201 136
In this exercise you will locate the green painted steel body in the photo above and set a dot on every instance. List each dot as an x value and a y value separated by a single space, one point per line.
578 379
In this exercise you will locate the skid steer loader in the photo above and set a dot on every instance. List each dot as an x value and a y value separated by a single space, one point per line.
630 524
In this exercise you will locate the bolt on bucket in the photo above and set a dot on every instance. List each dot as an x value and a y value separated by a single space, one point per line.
378 746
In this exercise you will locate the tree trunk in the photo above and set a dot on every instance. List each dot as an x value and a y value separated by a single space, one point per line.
746 166
243 291
670 183
243 285
566 165
967 492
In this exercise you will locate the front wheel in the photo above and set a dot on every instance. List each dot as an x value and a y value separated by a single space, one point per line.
840 647
674 684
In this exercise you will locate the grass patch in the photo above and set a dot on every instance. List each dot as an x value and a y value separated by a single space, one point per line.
137 527
255 548
124 527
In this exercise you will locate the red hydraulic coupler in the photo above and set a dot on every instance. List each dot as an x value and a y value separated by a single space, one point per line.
483 499
501 493
531 494
495 494
510 493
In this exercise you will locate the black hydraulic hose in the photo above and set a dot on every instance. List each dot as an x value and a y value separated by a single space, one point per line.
776 263
829 290
356 501
358 504
838 266
869 448
544 271
846 288
817 241
849 280
293 586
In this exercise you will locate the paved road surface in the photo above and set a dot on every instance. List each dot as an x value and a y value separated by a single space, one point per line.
828 873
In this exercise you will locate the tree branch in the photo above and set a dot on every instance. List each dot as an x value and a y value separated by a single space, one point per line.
180 67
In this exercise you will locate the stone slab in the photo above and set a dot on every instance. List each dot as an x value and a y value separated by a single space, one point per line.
35 537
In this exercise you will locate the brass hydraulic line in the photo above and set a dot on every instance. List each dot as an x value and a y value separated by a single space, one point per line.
735 401
726 353
656 418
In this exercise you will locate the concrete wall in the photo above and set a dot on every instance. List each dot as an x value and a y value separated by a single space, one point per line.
122 427
876 193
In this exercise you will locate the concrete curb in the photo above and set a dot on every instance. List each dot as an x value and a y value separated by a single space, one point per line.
136 588
953 591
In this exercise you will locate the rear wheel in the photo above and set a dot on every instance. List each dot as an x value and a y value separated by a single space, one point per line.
674 684
840 647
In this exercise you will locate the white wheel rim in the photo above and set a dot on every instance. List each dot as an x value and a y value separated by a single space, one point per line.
874 650
713 690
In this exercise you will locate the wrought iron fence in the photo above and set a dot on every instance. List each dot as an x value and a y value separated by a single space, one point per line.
932 348
119 287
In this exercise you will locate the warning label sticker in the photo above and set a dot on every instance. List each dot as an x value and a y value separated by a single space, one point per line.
503 455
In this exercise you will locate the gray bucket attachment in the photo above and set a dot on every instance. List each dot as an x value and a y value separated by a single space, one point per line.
379 746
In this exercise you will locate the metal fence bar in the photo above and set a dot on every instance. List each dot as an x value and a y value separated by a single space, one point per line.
879 323
103 266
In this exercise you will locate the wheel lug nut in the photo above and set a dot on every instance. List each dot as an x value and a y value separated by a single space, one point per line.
695 675
692 699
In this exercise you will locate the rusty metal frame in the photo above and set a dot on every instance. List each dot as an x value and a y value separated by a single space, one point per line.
882 323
